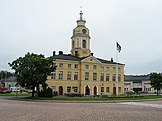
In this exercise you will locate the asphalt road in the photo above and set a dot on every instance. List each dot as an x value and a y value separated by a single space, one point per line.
16 110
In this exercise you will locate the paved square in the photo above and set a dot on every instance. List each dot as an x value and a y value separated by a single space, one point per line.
16 110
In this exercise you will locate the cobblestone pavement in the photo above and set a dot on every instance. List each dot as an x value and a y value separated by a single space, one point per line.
16 110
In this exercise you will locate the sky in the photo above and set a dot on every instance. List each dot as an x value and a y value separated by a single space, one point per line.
44 26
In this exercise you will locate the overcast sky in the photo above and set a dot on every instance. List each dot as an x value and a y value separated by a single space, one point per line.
42 26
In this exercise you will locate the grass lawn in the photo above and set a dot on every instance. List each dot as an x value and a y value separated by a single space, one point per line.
139 97
126 97
14 94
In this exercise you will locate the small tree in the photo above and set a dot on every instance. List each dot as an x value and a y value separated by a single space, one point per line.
156 81
32 70
5 74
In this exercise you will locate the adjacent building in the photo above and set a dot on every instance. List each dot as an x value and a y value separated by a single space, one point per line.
10 82
138 83
81 72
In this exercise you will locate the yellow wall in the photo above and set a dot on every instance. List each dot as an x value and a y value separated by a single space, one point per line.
81 82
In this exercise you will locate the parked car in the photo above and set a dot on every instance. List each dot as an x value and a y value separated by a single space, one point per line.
130 92
7 91
4 90
144 92
15 89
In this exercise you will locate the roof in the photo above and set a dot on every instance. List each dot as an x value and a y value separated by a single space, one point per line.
136 77
73 58
67 57
11 79
108 62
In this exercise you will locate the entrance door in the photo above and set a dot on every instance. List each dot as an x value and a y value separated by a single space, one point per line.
87 90
114 90
95 91
60 90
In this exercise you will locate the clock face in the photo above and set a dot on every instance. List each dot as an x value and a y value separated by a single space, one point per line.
84 31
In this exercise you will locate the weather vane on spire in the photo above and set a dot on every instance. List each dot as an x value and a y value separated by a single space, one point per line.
80 8
81 13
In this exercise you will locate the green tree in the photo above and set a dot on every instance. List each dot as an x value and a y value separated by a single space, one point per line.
156 81
32 70
5 74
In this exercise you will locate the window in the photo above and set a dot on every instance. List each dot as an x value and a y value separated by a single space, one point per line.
68 75
61 65
68 89
102 68
94 76
69 66
102 89
84 44
102 76
53 88
60 75
119 69
86 66
119 89
119 77
76 53
107 89
94 67
75 89
107 68
76 66
75 75
53 75
107 77
114 69
86 75
114 77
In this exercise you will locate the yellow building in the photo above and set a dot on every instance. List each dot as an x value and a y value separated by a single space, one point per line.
81 72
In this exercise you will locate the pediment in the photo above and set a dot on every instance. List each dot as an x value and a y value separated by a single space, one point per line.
91 59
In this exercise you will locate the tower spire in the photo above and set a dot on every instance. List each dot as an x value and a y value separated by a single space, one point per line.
81 13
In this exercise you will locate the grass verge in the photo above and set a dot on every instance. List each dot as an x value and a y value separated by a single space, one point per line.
14 94
99 98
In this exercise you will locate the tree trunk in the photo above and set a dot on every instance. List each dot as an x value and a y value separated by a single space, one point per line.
157 92
33 91
38 89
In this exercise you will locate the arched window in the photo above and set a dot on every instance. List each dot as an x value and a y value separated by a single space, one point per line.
84 44
73 44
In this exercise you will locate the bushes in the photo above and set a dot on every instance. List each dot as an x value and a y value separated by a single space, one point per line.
45 93
74 94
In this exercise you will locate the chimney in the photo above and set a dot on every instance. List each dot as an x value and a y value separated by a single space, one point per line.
92 54
60 52
54 53
111 59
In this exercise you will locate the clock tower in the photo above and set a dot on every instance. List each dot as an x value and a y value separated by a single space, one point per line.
80 41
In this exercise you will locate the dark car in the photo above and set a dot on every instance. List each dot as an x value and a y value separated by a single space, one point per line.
7 91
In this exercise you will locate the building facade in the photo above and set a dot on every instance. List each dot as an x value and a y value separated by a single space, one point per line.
138 83
81 72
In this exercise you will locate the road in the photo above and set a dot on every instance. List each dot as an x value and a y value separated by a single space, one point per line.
17 110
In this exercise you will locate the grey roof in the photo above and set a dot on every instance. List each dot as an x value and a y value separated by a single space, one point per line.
73 58
67 57
108 62
136 77
11 79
